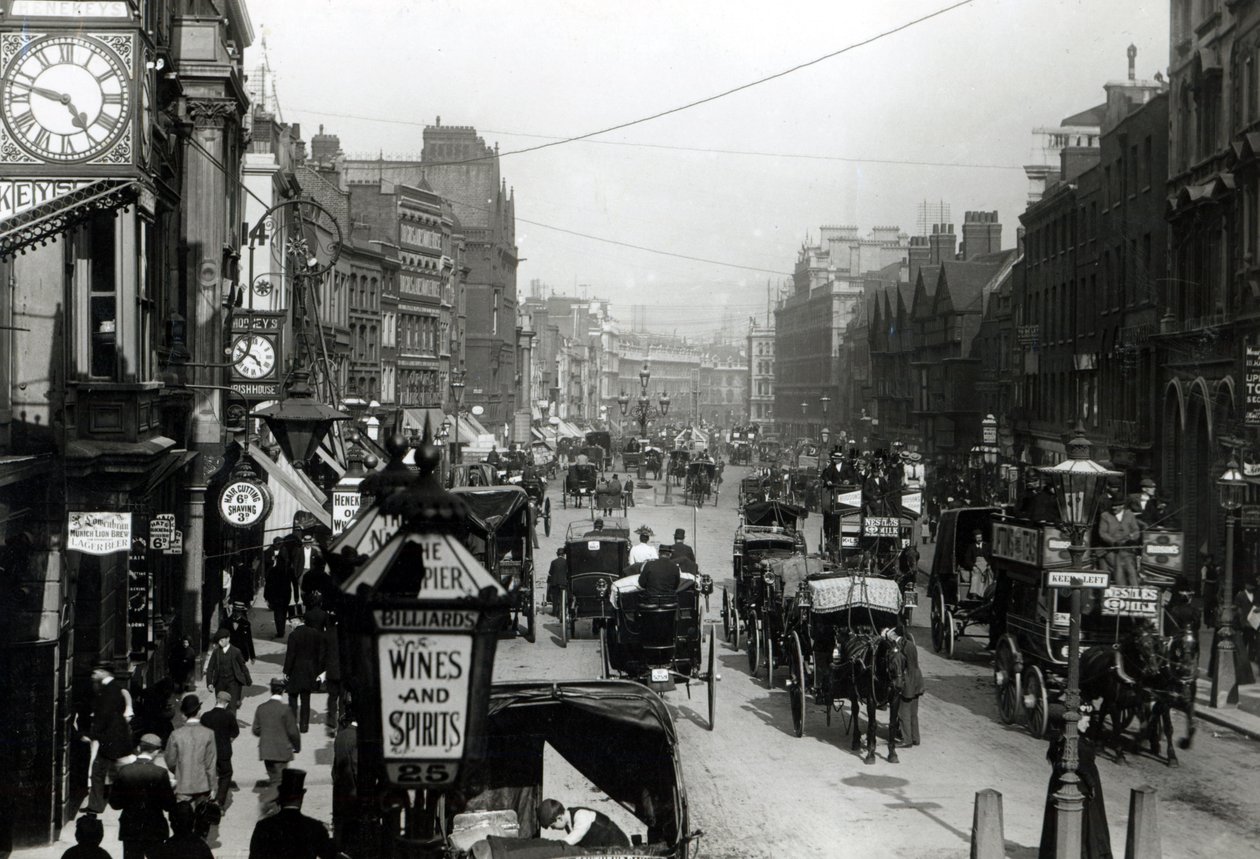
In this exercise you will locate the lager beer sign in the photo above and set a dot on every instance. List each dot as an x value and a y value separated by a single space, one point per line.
100 533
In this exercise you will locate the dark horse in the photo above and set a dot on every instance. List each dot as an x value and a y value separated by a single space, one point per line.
873 671
1174 689
1120 675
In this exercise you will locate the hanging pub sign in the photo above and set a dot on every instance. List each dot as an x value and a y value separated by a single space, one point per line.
245 501
1251 384
98 533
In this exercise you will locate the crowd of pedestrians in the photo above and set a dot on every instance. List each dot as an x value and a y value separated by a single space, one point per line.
171 786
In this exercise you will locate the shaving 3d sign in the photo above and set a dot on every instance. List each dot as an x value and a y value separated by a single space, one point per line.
244 503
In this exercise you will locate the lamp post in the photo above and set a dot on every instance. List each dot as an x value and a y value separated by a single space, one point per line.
1078 481
1232 489
642 412
823 432
457 392
299 422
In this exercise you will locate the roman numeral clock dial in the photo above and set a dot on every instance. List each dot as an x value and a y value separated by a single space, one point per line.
65 99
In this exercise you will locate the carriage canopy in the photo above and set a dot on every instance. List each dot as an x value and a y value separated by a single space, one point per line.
771 513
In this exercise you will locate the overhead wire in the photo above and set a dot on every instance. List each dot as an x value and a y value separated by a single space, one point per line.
720 95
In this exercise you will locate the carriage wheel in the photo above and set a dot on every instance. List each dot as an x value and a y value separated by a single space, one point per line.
726 615
603 646
754 643
1006 680
948 633
547 517
1036 704
938 621
564 618
796 684
713 676
735 625
769 637
530 612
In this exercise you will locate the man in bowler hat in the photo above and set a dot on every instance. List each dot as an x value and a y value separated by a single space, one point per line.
226 670
304 663
276 728
144 795
290 834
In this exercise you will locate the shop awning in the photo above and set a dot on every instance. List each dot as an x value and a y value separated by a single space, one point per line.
413 419
568 430
175 460
65 203
290 492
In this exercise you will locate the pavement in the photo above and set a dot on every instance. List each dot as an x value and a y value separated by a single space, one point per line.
230 839
1242 717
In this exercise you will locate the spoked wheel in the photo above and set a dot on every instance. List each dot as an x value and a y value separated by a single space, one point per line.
938 621
796 683
754 643
1036 703
713 676
531 611
1006 680
735 620
949 633
564 618
547 517
726 615
769 656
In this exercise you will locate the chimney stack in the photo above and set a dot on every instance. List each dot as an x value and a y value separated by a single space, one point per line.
1132 57
981 234
942 244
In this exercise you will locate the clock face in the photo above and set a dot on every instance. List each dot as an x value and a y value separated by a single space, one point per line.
65 99
254 356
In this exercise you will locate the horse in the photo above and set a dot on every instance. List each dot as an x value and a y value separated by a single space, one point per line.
873 672
1174 689
1119 674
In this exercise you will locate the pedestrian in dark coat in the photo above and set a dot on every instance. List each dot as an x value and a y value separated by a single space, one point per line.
241 631
332 673
557 580
143 793
345 778
1096 838
290 834
303 663
276 728
181 660
222 721
184 842
226 670
911 692
681 549
110 732
277 584
88 834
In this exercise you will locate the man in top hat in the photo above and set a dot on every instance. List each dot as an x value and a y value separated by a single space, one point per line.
643 550
226 670
680 549
831 476
661 576
290 834
143 794
191 754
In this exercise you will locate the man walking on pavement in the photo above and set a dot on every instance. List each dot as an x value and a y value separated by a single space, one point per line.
109 733
226 670
276 728
290 834
222 722
143 794
191 755
304 663
277 584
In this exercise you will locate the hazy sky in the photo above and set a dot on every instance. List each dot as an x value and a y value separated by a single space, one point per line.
831 140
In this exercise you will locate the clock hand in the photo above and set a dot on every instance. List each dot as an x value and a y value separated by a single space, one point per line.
46 93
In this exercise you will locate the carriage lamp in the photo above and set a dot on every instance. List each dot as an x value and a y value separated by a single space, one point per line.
601 588
1078 482
1232 491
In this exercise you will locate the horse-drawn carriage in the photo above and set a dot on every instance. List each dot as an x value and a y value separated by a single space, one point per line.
959 585
512 464
656 639
595 455
472 474
741 451
701 480
499 530
676 472
619 736
654 461
751 489
835 646
580 483
596 559
770 530
603 441
632 453
535 486
1125 660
